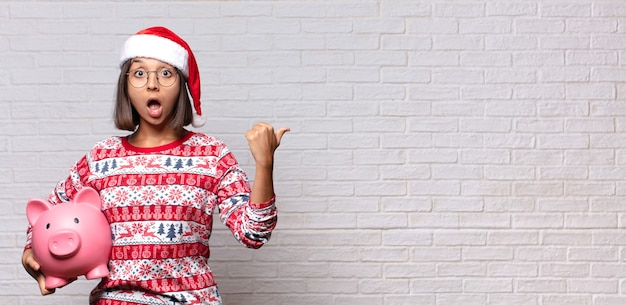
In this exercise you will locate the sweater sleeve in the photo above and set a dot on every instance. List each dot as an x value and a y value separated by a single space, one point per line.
251 223
65 189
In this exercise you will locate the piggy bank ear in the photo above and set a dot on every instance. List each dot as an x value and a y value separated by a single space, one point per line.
88 195
35 208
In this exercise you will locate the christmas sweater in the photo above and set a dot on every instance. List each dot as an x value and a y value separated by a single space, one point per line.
160 203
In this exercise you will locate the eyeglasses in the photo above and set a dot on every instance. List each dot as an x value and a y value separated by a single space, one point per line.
138 78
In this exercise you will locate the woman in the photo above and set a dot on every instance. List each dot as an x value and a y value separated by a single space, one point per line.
161 184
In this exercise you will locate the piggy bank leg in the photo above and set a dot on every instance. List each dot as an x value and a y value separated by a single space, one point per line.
55 282
99 271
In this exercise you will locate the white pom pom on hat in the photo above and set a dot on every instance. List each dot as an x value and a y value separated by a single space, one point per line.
163 44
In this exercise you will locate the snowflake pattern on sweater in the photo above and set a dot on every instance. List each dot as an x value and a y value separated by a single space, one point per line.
159 203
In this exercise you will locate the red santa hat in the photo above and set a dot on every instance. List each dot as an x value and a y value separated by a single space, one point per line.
162 44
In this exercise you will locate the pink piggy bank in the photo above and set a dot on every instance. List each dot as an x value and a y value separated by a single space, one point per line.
70 239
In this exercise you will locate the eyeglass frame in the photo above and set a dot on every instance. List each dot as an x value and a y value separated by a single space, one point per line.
128 77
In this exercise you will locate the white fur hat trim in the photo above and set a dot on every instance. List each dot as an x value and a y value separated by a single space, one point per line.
156 47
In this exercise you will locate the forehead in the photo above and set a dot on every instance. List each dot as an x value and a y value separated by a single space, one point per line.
149 62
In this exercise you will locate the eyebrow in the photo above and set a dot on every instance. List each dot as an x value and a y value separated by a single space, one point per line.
163 64
136 60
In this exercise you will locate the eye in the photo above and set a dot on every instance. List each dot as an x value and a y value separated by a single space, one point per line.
165 73
47 226
76 220
139 73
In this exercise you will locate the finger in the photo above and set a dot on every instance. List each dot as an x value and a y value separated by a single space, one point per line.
33 264
259 129
30 263
280 133
42 286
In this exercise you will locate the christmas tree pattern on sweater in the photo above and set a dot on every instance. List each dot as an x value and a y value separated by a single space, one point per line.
160 204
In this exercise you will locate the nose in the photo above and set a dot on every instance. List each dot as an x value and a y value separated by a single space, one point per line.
64 244
153 82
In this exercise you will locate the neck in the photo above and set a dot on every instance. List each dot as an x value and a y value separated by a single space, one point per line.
150 137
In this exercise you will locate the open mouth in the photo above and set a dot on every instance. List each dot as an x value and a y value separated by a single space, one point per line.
154 108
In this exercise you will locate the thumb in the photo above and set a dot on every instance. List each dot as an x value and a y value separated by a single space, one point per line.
41 280
280 133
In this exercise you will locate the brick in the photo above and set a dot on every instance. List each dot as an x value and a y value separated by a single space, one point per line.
485 26
511 9
358 270
565 75
519 204
552 109
387 26
488 286
459 10
349 9
469 140
505 269
436 285
571 239
455 171
436 93
609 9
433 26
493 156
238 9
566 10
566 299
333 286
512 42
487 254
540 26
445 238
405 9
591 26
591 57
514 299
461 270
538 58
406 141
441 188
465 298
457 205
403 237
541 285
451 109
403 204
322 26
410 271
386 286
351 75
593 286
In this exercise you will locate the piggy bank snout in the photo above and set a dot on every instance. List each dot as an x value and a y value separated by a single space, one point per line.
64 244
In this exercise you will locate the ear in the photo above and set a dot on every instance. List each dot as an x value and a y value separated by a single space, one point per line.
35 208
89 196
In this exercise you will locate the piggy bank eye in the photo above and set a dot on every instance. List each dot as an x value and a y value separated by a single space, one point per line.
76 220
47 226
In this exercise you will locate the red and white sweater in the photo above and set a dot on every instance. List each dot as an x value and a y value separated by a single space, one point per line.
159 202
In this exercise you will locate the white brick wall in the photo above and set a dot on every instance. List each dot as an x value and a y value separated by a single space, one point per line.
442 152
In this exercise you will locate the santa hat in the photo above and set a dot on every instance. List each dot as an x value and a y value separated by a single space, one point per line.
164 45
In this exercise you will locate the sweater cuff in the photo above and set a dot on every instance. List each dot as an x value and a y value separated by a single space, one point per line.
263 205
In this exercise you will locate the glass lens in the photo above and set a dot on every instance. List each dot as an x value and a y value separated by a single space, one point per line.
137 78
166 77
